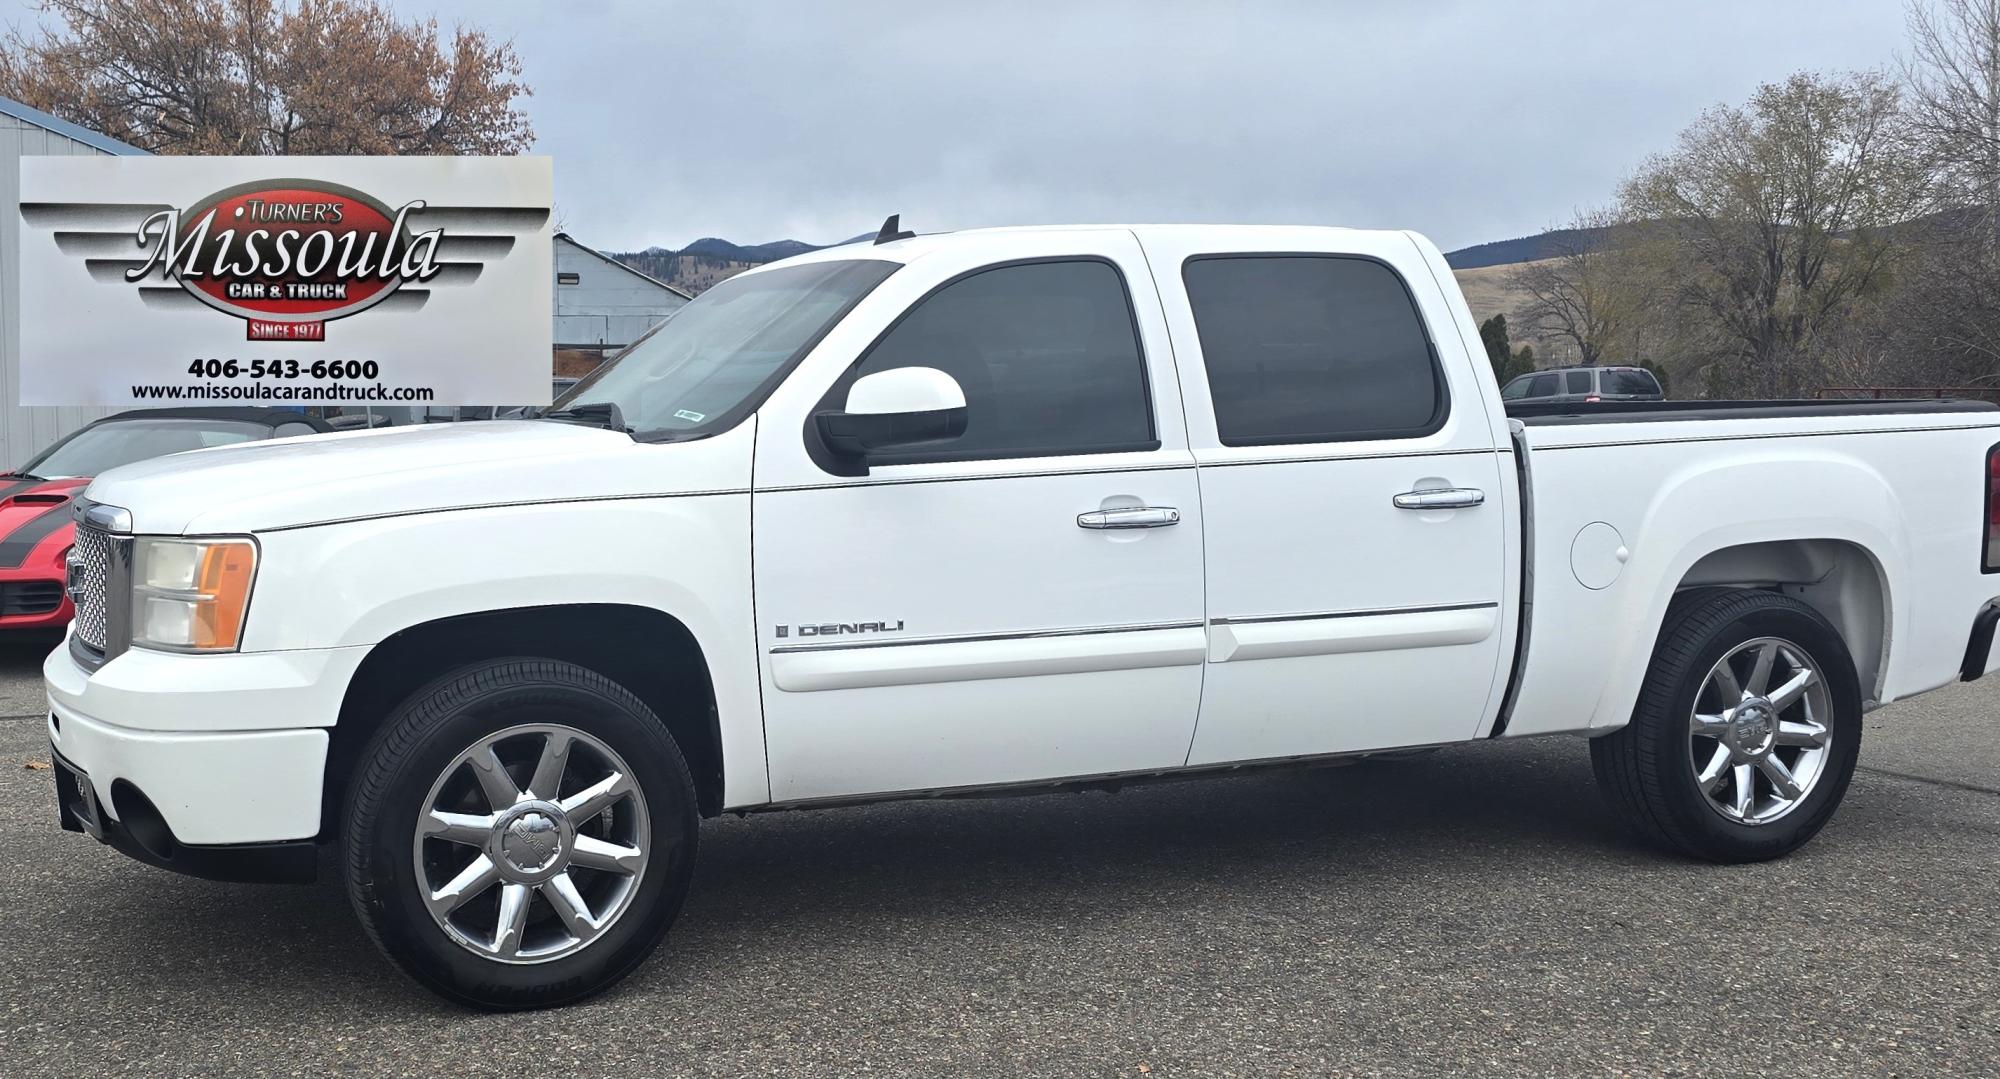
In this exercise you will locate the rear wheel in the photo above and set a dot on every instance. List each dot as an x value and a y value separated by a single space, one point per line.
1746 732
520 834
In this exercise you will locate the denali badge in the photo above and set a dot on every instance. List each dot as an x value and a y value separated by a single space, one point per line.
831 629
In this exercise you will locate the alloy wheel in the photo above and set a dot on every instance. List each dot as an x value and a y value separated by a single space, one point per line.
531 843
1759 732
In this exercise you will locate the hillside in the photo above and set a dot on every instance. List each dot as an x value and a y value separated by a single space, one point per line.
1489 291
1521 249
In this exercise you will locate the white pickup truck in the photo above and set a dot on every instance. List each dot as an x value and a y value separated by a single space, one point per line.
979 512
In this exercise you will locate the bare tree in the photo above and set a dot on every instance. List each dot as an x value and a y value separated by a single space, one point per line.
269 77
1952 76
1577 291
1945 319
1777 217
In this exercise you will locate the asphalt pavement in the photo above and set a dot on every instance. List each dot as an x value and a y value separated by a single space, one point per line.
1472 911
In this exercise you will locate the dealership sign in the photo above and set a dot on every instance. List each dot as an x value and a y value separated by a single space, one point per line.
285 281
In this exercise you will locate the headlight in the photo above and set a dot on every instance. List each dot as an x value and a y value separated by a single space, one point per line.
189 595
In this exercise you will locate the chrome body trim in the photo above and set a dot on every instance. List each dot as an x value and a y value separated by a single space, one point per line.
1442 498
1261 619
112 519
1130 517
982 638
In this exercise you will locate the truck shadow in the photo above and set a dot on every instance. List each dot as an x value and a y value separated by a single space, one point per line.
773 889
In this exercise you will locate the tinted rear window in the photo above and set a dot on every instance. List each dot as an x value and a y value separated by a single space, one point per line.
1312 348
1630 382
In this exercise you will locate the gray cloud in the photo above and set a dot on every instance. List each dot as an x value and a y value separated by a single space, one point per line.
1469 121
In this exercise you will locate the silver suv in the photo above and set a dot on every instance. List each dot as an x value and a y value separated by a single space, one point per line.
1584 384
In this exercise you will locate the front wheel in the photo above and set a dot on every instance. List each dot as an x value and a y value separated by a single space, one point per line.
520 834
1746 732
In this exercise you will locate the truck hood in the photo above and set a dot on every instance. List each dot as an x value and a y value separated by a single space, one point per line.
316 479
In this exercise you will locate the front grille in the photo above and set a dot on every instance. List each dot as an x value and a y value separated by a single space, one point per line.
29 597
90 585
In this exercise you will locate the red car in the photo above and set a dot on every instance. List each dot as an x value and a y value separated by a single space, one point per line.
35 523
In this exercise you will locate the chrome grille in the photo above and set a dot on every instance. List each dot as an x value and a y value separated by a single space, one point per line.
90 585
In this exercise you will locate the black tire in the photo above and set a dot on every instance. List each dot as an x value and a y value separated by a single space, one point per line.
1645 770
421 738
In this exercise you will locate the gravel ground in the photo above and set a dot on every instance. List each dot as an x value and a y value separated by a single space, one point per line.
1475 910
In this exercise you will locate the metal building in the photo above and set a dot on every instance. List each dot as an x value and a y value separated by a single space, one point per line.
24 132
602 305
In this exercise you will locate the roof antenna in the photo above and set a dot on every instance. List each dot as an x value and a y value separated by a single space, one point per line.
892 230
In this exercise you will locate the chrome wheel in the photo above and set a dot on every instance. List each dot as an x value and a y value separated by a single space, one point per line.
1758 736
531 843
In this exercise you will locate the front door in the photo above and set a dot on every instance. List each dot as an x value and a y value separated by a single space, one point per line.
1022 603
1354 497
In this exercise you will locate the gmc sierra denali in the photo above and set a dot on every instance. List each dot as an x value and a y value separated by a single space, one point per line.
982 512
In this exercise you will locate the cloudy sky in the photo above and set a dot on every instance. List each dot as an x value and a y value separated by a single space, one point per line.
1470 120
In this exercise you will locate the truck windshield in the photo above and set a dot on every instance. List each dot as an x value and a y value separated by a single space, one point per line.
717 358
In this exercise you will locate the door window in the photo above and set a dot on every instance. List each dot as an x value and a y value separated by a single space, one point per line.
1542 386
1312 348
1576 382
1047 354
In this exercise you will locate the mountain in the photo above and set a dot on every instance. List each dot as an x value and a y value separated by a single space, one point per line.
701 264
754 253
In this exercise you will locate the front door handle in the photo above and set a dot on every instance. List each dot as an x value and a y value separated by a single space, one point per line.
1443 498
1133 517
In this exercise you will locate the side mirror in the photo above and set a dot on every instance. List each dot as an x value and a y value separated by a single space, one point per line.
896 409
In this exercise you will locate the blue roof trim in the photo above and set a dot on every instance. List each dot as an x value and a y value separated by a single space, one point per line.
68 130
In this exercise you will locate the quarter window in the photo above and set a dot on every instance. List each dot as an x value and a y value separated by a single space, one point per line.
1312 348
1046 352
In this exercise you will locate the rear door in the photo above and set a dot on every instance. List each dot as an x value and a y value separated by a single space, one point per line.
1353 495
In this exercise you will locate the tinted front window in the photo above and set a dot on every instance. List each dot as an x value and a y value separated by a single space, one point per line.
1515 389
1312 349
98 449
1542 386
1633 382
721 353
1047 354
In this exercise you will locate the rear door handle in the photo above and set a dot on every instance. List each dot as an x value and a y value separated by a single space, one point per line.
1443 498
1133 517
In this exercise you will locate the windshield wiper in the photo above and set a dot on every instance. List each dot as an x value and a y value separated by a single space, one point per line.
598 414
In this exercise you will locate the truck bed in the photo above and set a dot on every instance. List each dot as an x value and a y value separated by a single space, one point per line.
1871 510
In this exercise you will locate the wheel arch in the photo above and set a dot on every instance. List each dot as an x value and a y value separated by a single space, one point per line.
1840 578
648 651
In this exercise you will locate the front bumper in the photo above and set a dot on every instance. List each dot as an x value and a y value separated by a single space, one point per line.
146 837
189 740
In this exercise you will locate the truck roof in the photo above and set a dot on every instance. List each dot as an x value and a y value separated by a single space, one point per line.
1242 237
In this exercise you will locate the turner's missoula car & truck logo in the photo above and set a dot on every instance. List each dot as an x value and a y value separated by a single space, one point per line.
287 256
